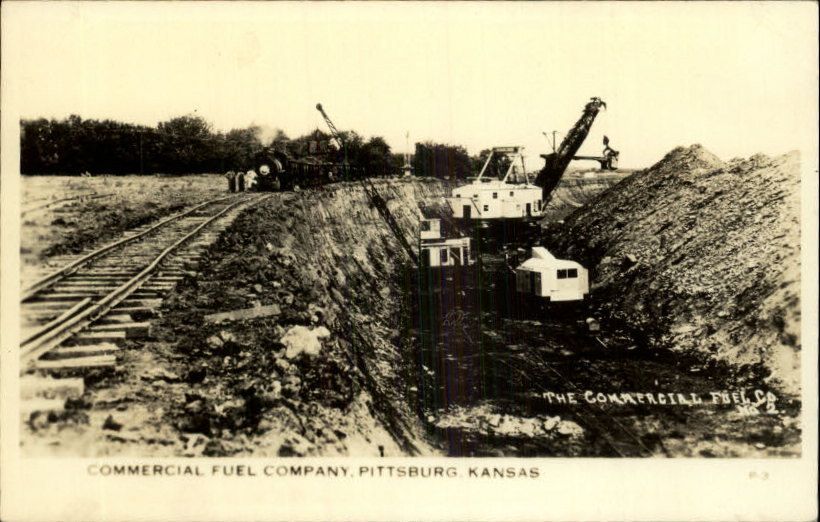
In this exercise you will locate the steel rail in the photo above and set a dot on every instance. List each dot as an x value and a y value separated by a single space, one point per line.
52 278
41 206
93 195
61 332
57 320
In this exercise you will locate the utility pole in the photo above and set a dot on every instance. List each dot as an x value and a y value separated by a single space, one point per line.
407 167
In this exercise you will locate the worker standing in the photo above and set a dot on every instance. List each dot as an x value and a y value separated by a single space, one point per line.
250 179
240 181
231 176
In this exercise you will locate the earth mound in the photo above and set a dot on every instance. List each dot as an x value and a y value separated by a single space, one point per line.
700 257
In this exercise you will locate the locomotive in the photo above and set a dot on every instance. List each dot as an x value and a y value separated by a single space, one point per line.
278 171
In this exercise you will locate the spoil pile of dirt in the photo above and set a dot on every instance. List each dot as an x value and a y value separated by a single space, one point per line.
701 257
575 192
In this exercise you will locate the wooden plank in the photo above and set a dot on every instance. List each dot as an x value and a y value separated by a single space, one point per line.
136 310
159 286
31 406
247 313
132 330
66 296
152 303
33 386
96 361
116 319
88 282
38 315
51 305
112 274
178 272
85 350
100 276
86 338
89 290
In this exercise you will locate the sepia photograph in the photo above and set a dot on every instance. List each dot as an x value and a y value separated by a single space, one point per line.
491 235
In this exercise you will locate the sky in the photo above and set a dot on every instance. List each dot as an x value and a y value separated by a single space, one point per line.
737 78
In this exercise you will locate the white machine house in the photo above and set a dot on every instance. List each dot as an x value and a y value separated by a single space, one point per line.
543 275
488 199
436 251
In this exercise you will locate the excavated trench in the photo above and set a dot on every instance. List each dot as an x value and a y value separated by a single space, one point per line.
424 362
325 374
498 371
368 356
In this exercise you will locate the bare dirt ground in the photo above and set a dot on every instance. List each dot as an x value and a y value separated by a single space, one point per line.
319 378
368 356
50 235
491 364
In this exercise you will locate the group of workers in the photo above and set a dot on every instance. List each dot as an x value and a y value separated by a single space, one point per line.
239 181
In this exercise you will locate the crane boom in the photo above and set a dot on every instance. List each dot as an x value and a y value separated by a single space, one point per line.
557 162
373 194
333 131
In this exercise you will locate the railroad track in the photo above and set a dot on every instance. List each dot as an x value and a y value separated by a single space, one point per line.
38 205
74 318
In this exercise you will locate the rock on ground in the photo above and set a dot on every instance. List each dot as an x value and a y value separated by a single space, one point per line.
303 340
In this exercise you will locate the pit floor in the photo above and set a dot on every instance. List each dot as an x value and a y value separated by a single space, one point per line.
487 360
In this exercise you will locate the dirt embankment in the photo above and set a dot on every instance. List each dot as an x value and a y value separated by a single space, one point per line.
325 375
701 257
574 192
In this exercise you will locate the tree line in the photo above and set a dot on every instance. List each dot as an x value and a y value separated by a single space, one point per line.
189 145
181 145
453 162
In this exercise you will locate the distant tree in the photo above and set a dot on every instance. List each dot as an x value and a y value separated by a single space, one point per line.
353 144
397 161
441 161
181 145
74 145
187 144
376 158
240 148
39 149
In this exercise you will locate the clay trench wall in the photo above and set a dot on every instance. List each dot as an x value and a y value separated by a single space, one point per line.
327 259
343 247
